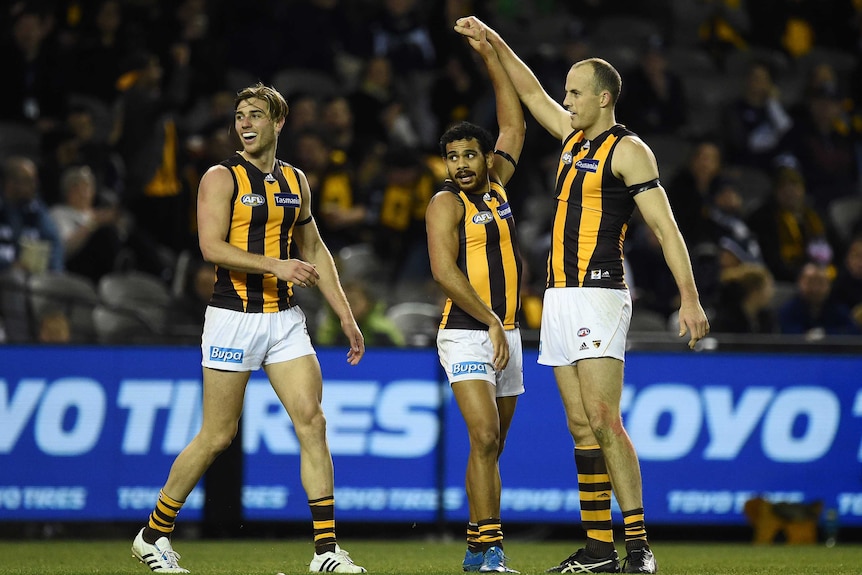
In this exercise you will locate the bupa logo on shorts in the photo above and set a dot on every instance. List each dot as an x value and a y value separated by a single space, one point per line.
469 367
567 158
226 354
287 200
483 218
584 332
252 200
504 211
587 165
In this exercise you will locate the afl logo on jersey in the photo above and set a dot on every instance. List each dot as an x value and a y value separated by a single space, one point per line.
583 332
483 218
567 158
253 200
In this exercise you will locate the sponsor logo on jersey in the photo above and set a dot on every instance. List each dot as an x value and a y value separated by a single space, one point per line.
252 200
483 218
504 211
269 179
289 200
583 347
587 165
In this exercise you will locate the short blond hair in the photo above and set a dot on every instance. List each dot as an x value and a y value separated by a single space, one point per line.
277 104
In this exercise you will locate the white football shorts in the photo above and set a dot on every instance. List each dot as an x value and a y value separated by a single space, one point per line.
583 322
238 341
467 354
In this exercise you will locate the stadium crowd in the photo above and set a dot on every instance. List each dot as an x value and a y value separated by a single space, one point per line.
113 109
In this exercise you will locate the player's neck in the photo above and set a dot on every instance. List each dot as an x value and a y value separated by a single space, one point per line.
265 161
602 125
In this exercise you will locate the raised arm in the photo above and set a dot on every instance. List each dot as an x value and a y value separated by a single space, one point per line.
635 164
510 114
547 111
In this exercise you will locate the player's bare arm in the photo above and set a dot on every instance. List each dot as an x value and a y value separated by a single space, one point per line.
312 248
510 115
547 111
635 164
442 218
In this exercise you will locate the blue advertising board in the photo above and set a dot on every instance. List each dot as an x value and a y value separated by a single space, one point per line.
90 433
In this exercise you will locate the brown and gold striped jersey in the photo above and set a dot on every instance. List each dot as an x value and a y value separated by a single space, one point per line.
263 211
489 256
591 216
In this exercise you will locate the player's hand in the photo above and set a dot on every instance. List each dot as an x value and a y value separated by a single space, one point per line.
357 342
474 29
501 346
692 321
300 273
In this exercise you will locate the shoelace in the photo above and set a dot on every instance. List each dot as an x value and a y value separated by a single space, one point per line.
172 558
345 555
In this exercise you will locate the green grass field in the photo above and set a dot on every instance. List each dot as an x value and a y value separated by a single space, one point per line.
407 557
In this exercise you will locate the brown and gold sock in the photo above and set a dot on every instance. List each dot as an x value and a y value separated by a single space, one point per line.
636 537
594 484
473 544
162 519
323 519
490 533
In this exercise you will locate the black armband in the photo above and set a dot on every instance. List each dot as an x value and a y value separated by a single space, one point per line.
503 154
305 221
638 188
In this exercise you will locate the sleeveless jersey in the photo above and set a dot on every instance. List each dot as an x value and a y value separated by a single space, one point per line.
591 215
489 256
263 211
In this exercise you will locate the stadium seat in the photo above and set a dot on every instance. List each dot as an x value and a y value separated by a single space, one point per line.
73 294
418 321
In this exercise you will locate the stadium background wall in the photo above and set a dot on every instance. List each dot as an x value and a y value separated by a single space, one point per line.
88 434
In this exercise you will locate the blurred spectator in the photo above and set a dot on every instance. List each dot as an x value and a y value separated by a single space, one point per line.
654 101
54 327
456 89
336 120
370 314
380 117
847 288
796 26
745 301
398 199
303 114
812 311
92 234
726 226
339 209
328 26
28 236
755 122
104 46
80 142
400 33
689 189
723 28
824 143
148 140
789 231
33 92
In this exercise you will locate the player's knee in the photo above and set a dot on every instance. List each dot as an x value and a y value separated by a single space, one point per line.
485 440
